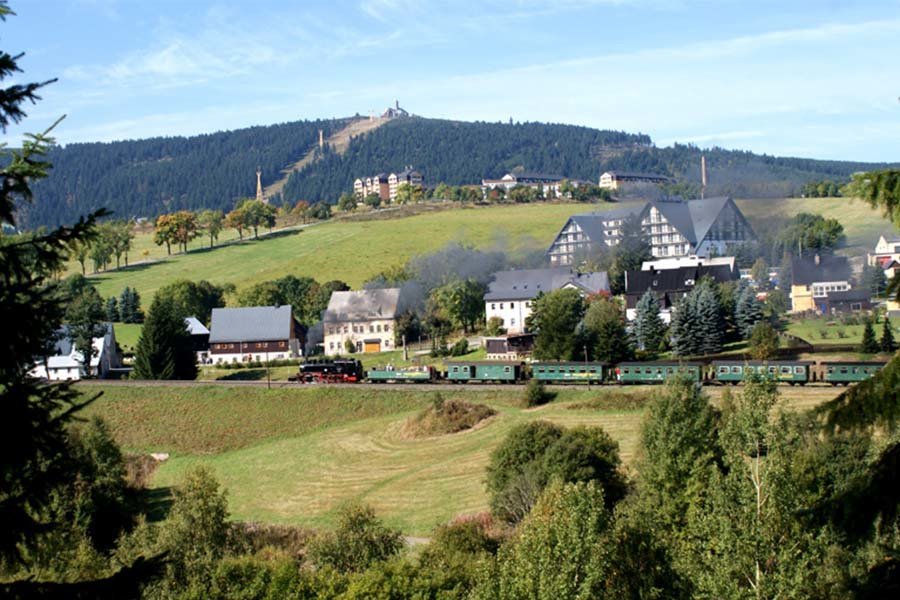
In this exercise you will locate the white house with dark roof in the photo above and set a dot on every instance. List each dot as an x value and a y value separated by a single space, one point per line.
548 185
253 333
674 227
67 364
367 318
511 293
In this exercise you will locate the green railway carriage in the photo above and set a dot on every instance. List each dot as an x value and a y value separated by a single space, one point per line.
484 371
656 372
794 372
407 375
847 372
569 372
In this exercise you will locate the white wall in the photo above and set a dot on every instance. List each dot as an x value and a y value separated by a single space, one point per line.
513 313
336 335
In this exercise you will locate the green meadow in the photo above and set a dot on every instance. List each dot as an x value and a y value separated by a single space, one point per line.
295 454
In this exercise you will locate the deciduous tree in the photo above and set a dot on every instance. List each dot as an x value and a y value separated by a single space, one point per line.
554 317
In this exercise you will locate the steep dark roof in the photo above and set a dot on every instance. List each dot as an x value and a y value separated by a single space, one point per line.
592 223
854 295
672 280
251 324
525 284
830 268
636 175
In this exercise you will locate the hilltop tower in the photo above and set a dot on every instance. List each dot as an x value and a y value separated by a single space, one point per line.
259 190
702 176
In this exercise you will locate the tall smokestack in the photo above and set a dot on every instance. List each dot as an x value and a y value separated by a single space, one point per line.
703 176
321 140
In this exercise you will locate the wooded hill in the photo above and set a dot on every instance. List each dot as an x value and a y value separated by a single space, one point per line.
143 178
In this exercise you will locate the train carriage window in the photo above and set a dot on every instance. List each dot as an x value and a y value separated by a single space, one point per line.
551 370
454 369
844 370
736 370
855 370
772 370
831 369
723 369
659 371
785 370
798 370
506 369
626 370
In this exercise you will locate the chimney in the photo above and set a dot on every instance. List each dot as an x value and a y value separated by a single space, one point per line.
702 176
321 140
397 104
818 260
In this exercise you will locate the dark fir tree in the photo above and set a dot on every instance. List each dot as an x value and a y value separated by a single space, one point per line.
874 280
710 320
684 333
164 349
648 328
887 337
112 309
748 312
629 254
869 341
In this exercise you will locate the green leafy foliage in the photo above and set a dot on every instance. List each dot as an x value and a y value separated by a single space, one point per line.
605 335
193 298
555 316
359 541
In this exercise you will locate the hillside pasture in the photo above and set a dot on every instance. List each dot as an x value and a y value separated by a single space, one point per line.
294 455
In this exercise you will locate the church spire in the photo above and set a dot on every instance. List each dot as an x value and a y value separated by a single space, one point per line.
259 190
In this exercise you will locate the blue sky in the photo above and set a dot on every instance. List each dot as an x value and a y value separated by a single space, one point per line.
816 79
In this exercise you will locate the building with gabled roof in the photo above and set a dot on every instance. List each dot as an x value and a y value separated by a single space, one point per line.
670 285
365 318
254 333
66 363
511 293
814 278
675 228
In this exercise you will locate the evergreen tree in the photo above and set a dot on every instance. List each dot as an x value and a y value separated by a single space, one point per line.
112 309
648 328
869 341
164 349
685 329
710 320
888 344
748 312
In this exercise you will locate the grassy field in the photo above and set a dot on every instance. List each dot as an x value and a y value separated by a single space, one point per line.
822 331
294 455
353 251
127 335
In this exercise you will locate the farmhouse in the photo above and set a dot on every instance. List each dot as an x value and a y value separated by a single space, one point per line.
199 339
670 285
67 364
253 333
675 228
815 278
365 318
511 293
613 180
887 251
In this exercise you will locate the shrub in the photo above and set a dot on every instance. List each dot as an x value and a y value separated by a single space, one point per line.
536 394
349 346
445 417
494 327
359 541
460 348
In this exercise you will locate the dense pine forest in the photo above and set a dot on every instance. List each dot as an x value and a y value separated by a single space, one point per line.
144 178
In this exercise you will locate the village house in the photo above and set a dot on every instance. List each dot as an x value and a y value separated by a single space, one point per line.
887 251
710 226
365 318
511 293
614 180
199 339
67 364
254 333
671 284
547 185
408 176
820 283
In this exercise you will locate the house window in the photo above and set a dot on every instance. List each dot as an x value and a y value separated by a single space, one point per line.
493 307
387 327
371 329
512 321
501 306
378 328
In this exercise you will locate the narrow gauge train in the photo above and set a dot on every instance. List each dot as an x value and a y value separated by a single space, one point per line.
722 372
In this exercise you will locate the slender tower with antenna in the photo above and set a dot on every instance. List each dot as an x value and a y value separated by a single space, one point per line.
702 176
259 190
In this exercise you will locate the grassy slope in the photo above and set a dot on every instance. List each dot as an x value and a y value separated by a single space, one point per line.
294 455
354 251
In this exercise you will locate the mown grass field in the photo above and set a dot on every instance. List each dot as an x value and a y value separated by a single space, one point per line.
823 331
294 455
353 251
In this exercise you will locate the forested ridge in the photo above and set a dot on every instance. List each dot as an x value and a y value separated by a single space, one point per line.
144 178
